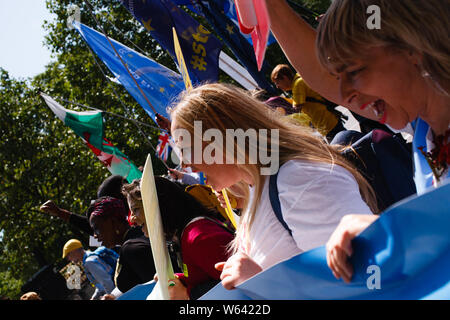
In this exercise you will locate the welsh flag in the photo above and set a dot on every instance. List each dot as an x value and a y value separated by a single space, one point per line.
88 125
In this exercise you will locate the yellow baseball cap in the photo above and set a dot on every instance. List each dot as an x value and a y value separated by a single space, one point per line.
71 245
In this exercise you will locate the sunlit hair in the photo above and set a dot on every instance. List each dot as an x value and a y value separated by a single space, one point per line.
416 26
133 190
223 106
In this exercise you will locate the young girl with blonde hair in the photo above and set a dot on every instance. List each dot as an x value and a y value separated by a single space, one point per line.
316 185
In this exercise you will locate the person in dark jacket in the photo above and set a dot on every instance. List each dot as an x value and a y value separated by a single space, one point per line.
111 186
108 218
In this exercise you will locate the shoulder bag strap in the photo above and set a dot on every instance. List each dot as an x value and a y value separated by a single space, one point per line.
275 201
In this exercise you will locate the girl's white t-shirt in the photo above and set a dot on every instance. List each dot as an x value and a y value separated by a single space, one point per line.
313 198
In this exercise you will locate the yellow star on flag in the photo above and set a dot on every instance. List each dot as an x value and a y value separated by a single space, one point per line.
161 89
230 29
147 24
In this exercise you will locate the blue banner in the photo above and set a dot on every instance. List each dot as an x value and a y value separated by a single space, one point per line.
200 48
403 255
138 292
159 84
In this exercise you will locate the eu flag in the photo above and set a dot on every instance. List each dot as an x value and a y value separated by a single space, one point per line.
200 48
231 35
228 7
159 84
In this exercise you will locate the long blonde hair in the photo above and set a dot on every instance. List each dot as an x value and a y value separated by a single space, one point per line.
416 26
223 106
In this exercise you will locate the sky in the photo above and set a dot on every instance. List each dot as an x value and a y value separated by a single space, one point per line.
22 50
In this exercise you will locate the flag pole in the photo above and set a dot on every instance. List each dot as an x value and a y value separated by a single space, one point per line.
188 84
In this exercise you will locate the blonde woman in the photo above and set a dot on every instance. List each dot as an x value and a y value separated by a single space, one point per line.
404 66
386 60
316 186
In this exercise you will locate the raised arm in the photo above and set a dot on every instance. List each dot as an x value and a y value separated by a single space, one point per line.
297 39
79 221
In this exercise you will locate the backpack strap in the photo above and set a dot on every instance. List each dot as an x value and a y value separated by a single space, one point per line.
275 201
331 107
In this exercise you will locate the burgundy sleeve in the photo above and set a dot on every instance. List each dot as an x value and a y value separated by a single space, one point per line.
208 245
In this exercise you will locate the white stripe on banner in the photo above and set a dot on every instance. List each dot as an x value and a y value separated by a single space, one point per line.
236 71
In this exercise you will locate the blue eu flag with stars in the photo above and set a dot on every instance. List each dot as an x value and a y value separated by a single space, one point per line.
214 12
159 84
200 47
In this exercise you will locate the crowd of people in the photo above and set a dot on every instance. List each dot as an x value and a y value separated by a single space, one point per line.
329 186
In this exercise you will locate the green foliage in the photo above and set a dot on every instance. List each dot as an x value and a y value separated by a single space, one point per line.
76 76
9 286
39 161
41 158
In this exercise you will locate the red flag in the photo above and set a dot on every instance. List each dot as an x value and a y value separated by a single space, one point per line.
253 18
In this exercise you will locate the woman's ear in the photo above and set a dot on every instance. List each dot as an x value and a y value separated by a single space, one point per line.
415 58
113 225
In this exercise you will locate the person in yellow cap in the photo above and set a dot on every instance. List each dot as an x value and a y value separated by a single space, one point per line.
99 265
71 246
